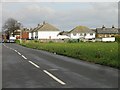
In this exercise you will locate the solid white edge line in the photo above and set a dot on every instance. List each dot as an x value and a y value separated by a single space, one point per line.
34 64
24 57
55 78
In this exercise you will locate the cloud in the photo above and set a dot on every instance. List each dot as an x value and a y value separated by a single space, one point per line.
92 15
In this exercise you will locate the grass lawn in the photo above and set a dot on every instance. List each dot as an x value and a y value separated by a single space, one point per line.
96 52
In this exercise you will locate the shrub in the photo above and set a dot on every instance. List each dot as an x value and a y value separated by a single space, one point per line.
50 41
117 39
73 41
17 41
36 41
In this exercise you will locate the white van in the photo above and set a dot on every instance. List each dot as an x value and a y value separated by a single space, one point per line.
12 39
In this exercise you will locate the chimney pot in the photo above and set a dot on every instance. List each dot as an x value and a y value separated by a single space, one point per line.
43 22
103 26
113 26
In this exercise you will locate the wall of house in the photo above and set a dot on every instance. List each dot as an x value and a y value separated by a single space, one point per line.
88 36
76 36
82 35
30 35
48 34
33 35
106 35
25 35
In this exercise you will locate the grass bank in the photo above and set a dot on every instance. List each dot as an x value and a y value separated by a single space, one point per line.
97 52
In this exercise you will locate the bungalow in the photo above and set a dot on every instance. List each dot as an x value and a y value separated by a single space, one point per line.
82 32
106 32
46 31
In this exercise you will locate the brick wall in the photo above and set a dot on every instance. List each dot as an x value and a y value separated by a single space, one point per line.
25 35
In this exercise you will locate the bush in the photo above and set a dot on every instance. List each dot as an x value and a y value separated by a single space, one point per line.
117 38
17 41
51 42
36 41
73 41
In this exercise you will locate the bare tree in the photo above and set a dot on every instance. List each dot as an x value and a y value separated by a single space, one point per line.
11 25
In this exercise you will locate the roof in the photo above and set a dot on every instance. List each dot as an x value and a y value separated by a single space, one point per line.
107 30
47 27
81 29
64 33
25 29
38 27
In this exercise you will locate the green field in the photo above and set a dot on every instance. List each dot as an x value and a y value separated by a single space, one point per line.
95 52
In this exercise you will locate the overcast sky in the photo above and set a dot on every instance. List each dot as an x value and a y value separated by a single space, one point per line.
63 15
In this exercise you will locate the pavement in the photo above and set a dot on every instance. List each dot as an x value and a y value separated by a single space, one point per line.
29 68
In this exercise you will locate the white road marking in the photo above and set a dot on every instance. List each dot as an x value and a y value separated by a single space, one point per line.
34 64
24 57
15 50
55 78
10 48
19 53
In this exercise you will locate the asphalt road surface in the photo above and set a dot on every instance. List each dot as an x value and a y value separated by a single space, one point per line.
29 68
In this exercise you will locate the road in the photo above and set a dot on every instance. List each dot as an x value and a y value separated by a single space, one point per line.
29 68
0 66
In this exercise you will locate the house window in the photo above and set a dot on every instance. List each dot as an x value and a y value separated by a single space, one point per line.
85 34
36 33
81 34
74 34
91 34
49 37
105 35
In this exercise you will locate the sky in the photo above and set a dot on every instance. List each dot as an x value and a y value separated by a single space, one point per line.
63 15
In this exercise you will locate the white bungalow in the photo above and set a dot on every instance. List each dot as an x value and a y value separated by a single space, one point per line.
82 32
46 31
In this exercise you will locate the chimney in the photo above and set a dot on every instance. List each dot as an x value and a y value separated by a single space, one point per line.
43 22
113 26
103 26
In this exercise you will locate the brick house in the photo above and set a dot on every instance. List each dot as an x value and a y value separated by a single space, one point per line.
106 32
25 33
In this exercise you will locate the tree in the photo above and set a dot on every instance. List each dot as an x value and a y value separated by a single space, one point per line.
11 25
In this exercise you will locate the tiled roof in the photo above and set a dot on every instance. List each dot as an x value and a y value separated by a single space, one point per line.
107 30
81 29
47 27
64 33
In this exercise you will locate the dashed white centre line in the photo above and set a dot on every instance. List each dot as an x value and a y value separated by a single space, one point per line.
11 48
19 53
55 78
15 50
34 64
24 57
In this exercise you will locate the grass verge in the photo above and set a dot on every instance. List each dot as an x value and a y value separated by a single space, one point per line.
97 52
